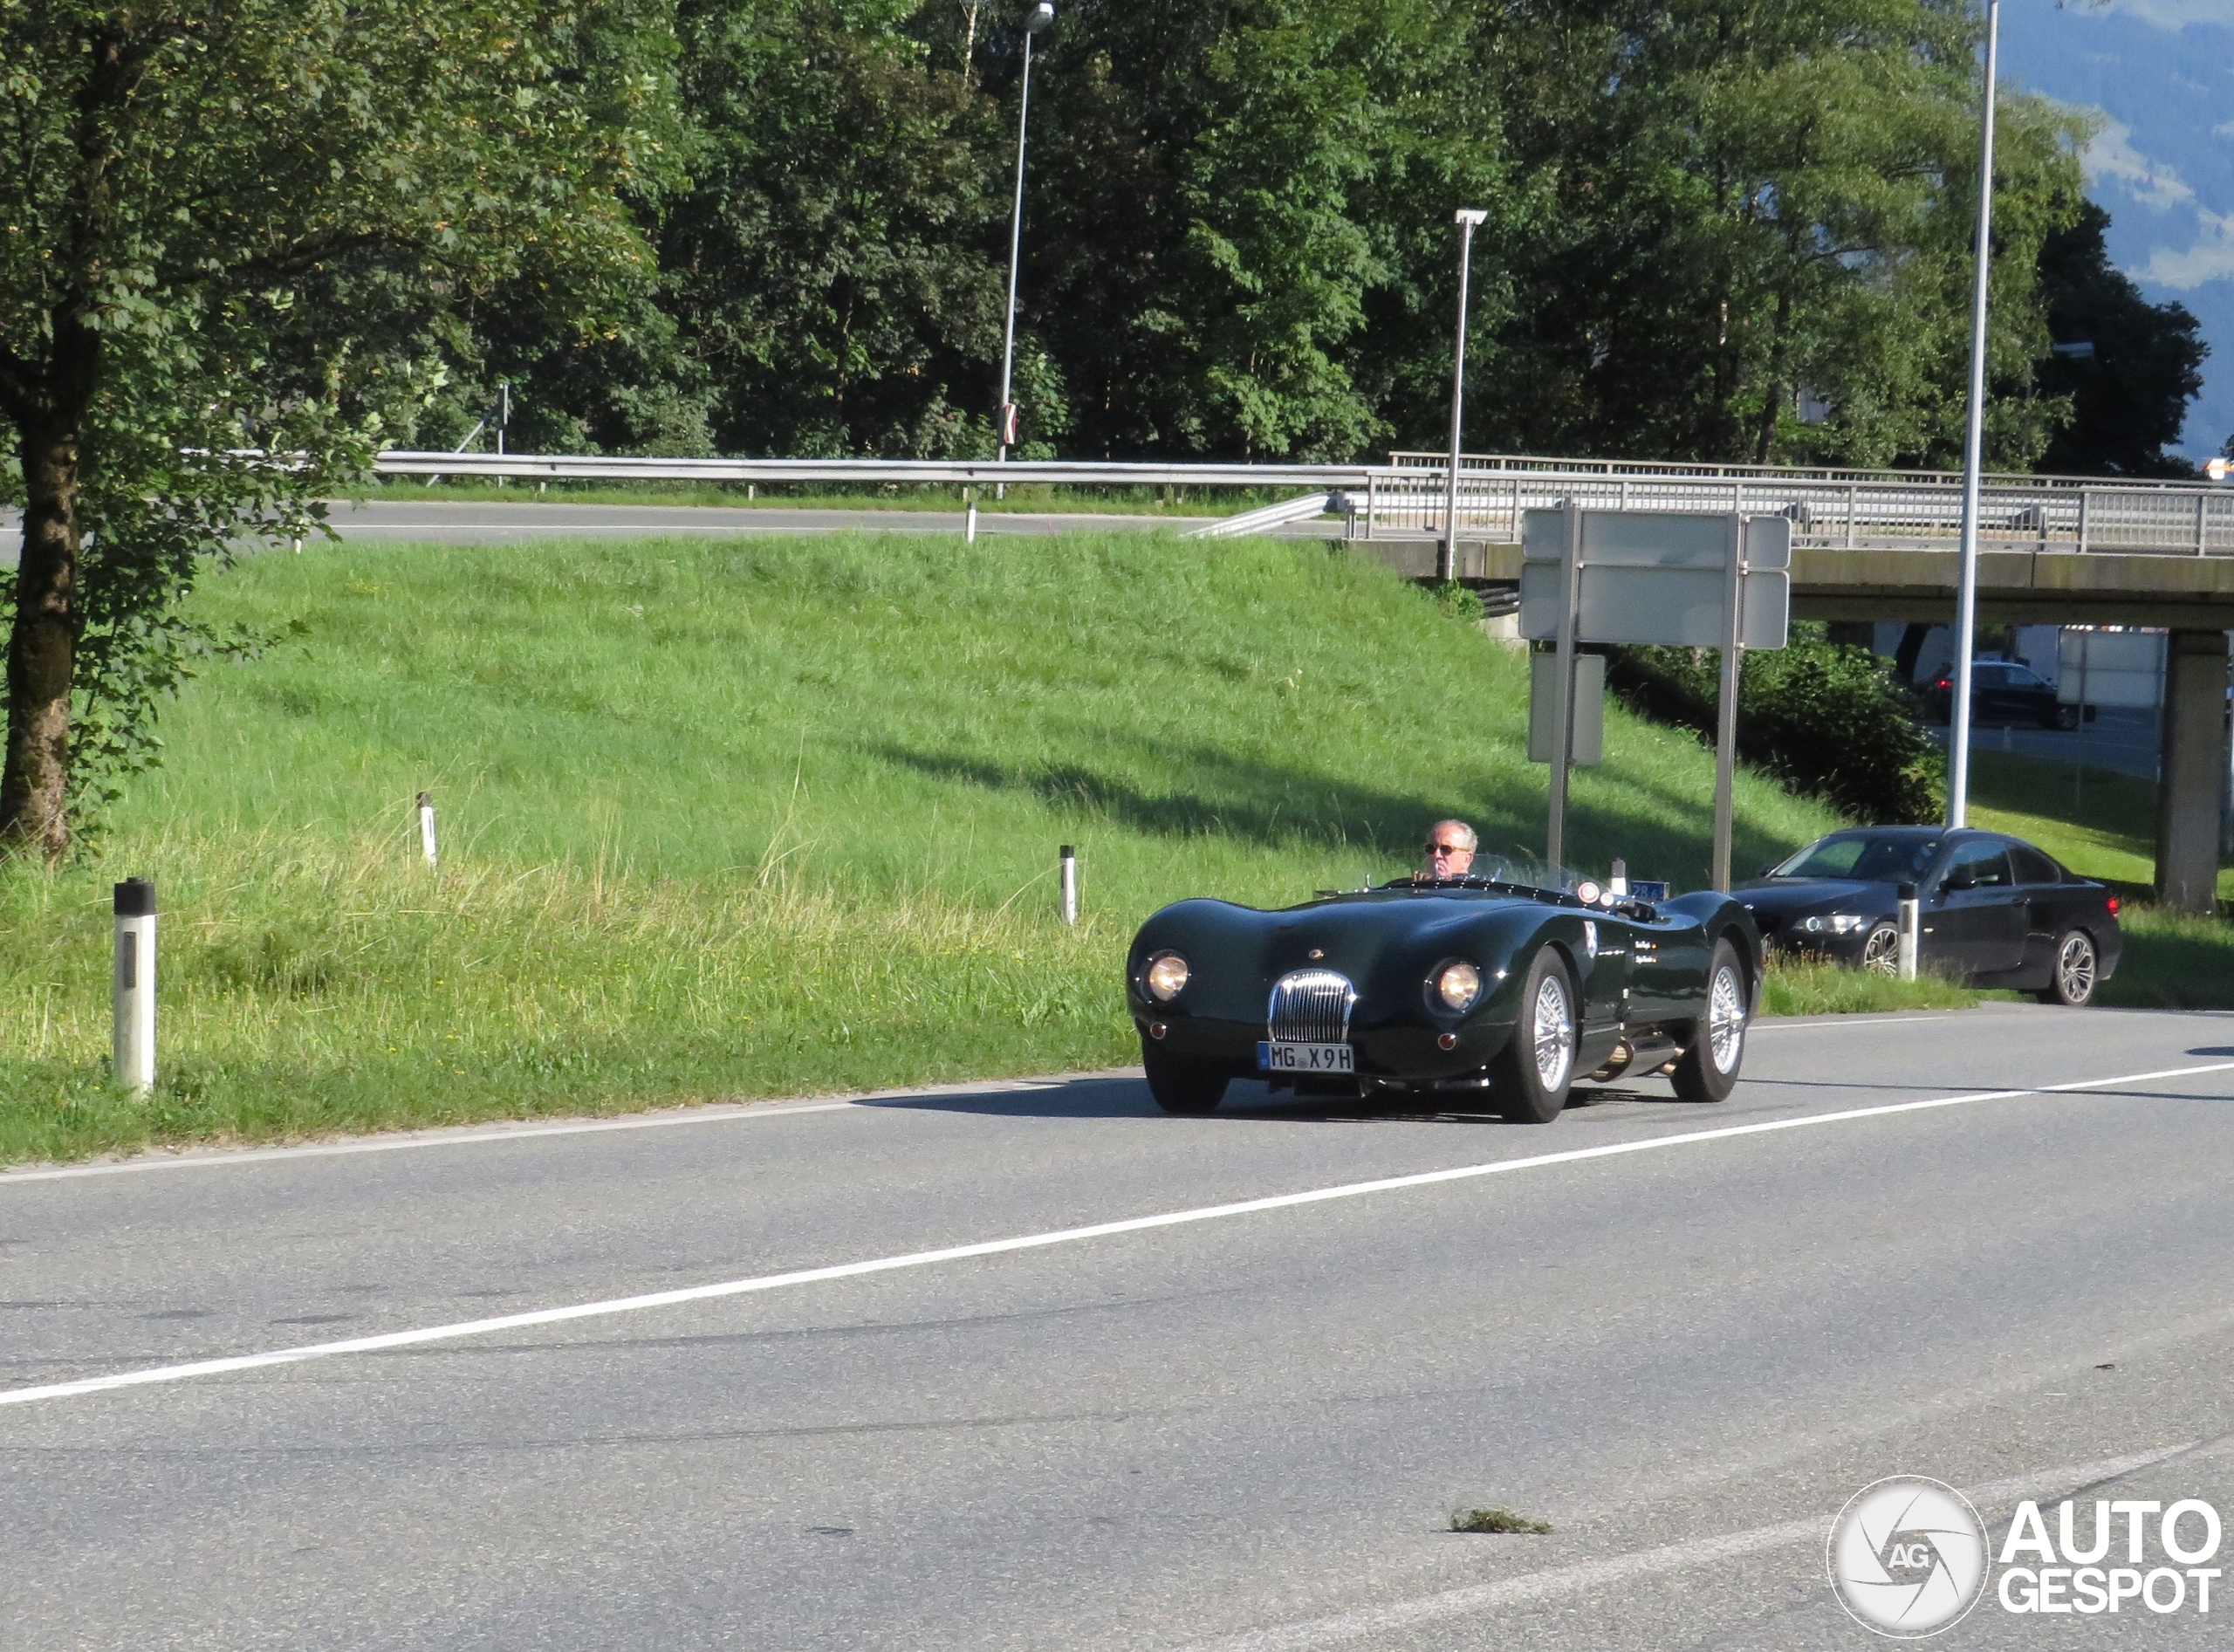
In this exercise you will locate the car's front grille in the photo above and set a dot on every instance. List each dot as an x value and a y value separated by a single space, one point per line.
1311 1006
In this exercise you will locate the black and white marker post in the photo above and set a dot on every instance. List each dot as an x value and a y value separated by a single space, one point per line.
1069 863
1911 921
427 824
133 1047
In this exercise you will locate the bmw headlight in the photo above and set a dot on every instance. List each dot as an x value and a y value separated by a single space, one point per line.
1165 977
1458 983
1836 923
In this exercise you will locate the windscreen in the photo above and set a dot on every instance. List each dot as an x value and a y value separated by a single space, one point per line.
1863 857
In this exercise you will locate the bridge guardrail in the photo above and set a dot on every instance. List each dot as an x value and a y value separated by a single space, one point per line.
1859 511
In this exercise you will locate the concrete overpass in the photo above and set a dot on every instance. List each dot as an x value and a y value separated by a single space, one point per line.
1877 546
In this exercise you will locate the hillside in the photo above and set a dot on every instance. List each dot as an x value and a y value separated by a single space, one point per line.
746 816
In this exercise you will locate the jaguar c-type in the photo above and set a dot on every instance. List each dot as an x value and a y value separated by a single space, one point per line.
1500 990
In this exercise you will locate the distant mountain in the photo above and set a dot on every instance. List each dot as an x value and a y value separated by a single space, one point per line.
2160 76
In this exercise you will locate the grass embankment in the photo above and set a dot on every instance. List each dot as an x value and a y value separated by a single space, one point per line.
2104 826
735 820
1031 497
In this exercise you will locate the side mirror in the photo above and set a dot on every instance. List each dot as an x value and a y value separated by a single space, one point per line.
1960 878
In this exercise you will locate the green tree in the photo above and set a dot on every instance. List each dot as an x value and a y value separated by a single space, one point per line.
219 223
831 265
2129 367
1758 198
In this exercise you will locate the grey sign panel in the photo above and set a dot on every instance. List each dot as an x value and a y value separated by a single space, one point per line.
1657 538
1683 607
1658 576
1588 745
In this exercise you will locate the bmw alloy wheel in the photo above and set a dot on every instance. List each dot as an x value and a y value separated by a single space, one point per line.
1726 1019
1554 1031
1881 951
2075 968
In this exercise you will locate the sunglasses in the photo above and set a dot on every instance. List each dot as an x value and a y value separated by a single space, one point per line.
1448 848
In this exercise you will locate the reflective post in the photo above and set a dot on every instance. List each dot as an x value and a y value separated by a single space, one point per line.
427 825
1069 863
133 1046
1911 911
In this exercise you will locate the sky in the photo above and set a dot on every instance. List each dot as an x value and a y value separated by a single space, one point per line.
2159 75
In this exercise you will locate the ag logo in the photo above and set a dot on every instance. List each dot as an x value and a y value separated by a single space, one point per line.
1908 1557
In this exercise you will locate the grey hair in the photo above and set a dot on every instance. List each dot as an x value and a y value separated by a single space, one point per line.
1473 841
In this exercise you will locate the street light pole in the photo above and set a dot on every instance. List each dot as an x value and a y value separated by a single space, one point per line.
1042 15
1446 562
1966 594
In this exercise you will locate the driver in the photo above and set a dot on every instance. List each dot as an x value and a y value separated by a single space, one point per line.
1450 850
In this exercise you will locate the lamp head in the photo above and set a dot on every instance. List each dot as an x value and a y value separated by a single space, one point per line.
1473 216
1042 15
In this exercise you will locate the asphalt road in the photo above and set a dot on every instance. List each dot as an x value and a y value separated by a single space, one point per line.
445 522
2122 738
1242 1430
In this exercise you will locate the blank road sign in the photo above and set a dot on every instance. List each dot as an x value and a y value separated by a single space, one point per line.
1588 744
1657 576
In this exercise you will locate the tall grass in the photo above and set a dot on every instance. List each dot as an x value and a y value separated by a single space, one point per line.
726 819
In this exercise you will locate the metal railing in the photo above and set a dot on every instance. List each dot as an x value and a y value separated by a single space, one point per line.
1830 510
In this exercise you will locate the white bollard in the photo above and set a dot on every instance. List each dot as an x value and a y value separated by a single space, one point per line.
132 1049
1070 884
427 824
1617 880
969 524
1911 931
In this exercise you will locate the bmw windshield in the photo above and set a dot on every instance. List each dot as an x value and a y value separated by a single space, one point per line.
1863 857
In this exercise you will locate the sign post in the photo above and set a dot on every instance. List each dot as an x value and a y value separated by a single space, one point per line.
1685 578
1725 732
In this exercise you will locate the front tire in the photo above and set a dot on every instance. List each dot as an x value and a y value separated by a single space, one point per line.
1881 950
1530 1079
1183 1086
2077 971
1707 1070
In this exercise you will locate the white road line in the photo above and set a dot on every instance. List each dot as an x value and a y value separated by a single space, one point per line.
745 1112
1033 1241
1621 1568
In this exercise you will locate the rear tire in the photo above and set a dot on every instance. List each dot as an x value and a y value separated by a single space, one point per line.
1183 1086
2075 973
1707 1070
1530 1076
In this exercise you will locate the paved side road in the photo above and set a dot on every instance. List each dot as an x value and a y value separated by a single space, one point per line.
1683 1335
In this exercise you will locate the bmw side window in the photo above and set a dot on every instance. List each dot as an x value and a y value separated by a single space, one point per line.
2033 866
1987 863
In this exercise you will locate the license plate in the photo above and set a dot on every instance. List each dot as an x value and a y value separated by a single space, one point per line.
1305 1058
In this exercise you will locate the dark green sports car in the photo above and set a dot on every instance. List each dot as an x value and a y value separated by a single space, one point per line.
1467 989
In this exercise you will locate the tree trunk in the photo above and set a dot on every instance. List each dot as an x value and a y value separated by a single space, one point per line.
42 646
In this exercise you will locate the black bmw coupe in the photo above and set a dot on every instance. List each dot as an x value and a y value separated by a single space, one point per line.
1994 910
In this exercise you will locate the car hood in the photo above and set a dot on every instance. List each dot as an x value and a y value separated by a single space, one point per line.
1773 904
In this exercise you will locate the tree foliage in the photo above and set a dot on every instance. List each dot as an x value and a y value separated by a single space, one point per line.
2129 366
223 228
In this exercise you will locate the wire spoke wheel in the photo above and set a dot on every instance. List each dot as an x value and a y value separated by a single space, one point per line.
1726 1020
1554 1032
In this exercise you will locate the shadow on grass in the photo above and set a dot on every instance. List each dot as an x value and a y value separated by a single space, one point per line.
1282 807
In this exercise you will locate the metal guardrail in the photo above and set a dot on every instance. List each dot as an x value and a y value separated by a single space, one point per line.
1858 511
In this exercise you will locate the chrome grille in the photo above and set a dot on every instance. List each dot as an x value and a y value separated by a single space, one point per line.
1311 1006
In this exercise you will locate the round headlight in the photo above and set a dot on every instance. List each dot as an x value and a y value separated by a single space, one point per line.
1458 983
1166 975
1587 892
